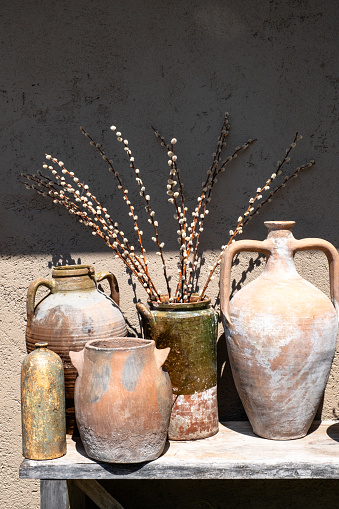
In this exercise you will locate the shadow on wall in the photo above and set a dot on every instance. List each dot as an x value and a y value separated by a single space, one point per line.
59 260
230 407
252 264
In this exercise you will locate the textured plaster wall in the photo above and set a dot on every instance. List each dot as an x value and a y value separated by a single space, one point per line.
177 65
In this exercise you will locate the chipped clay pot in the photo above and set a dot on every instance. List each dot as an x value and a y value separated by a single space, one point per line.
73 313
281 334
123 399
190 330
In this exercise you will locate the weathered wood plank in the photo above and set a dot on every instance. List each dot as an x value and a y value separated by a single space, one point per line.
77 498
234 453
53 494
273 470
98 494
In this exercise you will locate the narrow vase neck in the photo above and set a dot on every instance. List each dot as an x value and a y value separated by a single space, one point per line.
280 263
74 278
75 283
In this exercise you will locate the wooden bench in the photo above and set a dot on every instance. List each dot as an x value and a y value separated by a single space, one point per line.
234 453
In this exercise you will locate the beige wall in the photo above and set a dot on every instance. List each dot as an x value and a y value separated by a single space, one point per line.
177 66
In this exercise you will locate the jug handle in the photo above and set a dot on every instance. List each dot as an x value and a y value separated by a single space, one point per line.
161 356
77 359
31 292
256 246
145 312
113 283
333 261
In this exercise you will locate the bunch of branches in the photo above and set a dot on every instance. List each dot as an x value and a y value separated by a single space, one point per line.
66 189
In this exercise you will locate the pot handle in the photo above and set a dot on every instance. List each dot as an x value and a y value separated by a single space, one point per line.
113 283
145 312
256 246
31 292
77 359
161 356
333 261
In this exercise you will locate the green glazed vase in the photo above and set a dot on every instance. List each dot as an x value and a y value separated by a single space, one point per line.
190 330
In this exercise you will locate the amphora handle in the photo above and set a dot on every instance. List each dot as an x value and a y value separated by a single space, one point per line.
31 292
256 246
145 312
77 359
113 283
333 261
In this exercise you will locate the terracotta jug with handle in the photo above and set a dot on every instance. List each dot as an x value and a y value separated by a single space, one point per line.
73 313
123 399
281 334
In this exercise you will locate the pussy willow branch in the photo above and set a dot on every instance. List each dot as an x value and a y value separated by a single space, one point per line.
225 128
124 191
282 185
99 213
247 215
72 209
200 212
248 218
57 193
86 203
180 215
250 211
189 241
59 197
206 199
148 209
90 212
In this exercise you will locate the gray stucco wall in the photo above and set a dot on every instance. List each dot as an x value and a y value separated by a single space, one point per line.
177 65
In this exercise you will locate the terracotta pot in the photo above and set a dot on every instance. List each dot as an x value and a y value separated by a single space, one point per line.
281 334
123 399
73 313
43 405
190 330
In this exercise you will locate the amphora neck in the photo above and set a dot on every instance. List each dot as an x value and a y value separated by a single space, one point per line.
74 278
280 261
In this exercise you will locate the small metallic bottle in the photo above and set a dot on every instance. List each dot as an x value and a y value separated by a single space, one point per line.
43 405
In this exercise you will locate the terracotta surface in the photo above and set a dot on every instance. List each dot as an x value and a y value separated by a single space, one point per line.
190 330
43 405
123 399
281 334
72 314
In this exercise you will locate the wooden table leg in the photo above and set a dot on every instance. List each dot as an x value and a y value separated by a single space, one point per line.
97 494
53 494
77 497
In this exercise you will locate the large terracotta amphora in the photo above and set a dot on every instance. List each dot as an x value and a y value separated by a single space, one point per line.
281 334
190 330
73 313
123 399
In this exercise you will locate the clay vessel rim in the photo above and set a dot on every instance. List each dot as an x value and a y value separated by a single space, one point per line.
144 343
279 225
73 270
194 305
